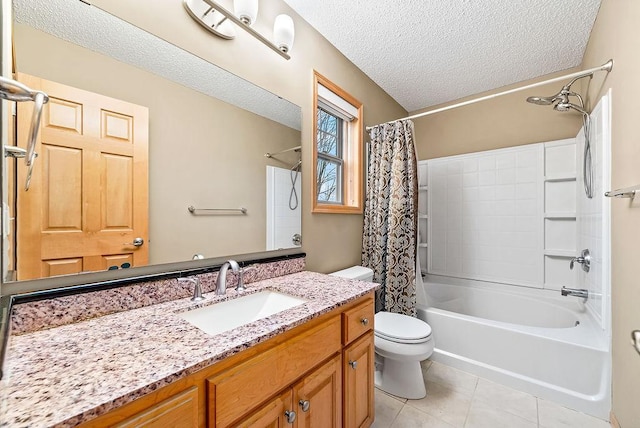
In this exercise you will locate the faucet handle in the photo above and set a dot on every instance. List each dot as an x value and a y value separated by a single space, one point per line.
197 289
240 288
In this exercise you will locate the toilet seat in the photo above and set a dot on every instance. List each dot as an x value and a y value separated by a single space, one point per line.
400 328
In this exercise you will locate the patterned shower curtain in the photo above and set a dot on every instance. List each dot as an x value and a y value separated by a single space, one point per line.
391 216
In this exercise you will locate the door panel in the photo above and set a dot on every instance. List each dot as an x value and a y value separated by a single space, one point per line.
320 393
89 191
61 183
61 267
358 372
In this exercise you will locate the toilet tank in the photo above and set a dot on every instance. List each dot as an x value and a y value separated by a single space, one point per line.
355 272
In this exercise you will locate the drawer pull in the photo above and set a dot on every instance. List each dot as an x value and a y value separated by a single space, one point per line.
353 364
304 405
364 321
290 415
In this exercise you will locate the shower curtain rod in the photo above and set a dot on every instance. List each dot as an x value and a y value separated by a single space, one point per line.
269 155
604 67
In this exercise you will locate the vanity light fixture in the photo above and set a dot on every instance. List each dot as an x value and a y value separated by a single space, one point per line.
219 21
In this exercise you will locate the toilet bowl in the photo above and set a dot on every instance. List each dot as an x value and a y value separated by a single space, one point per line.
401 343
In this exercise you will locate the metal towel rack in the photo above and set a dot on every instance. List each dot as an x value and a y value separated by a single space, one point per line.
12 90
627 192
193 210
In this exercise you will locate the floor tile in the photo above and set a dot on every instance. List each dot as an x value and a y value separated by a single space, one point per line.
411 417
481 415
395 397
552 415
507 399
453 378
444 403
387 408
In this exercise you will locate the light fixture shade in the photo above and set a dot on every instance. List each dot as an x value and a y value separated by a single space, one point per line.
246 10
283 32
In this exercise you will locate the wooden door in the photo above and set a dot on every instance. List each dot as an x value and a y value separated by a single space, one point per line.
88 198
358 371
271 415
317 399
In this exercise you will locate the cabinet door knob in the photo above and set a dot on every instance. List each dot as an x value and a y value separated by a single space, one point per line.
304 405
353 364
290 415
364 321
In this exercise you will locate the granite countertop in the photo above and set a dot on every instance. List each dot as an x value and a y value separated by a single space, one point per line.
70 374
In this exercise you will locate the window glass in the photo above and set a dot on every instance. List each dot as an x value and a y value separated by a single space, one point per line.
328 185
329 133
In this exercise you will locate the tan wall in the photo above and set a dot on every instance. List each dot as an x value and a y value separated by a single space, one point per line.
331 241
615 35
202 151
501 122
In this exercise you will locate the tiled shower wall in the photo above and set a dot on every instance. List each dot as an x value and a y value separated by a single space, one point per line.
594 220
282 221
506 215
485 216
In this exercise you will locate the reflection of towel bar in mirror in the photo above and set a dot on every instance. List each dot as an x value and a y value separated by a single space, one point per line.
195 211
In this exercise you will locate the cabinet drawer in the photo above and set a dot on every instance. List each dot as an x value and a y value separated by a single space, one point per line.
357 321
180 410
237 391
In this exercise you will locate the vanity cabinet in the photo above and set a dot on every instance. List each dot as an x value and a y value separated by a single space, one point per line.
322 370
315 401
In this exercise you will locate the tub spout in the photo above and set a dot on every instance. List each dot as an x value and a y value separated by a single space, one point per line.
578 292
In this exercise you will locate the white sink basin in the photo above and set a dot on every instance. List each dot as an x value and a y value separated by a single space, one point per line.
225 316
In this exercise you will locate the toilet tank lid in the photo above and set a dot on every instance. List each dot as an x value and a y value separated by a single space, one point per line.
355 272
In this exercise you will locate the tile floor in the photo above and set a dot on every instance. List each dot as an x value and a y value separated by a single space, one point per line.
456 399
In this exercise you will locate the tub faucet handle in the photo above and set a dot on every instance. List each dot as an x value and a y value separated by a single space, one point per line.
584 259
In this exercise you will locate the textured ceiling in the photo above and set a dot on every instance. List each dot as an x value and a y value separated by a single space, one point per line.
94 29
426 52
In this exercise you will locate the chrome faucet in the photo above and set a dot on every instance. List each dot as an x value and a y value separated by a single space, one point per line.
197 289
221 282
577 292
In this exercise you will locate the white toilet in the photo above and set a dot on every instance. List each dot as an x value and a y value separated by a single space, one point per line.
401 343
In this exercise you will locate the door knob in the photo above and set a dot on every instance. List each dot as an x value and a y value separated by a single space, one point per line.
353 364
136 242
364 321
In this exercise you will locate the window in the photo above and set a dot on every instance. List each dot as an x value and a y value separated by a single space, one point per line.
338 150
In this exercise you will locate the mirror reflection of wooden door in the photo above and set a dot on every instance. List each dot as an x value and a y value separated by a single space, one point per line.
88 199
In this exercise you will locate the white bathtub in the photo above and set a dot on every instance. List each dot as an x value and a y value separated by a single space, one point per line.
532 340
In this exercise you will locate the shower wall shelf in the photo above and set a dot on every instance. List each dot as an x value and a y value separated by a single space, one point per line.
627 192
560 215
558 178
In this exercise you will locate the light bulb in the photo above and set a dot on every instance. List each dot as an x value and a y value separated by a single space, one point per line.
283 32
246 10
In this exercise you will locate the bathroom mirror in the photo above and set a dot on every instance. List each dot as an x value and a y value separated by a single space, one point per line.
208 134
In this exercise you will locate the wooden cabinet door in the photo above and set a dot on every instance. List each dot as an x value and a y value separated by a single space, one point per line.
271 415
179 411
358 371
317 399
88 198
